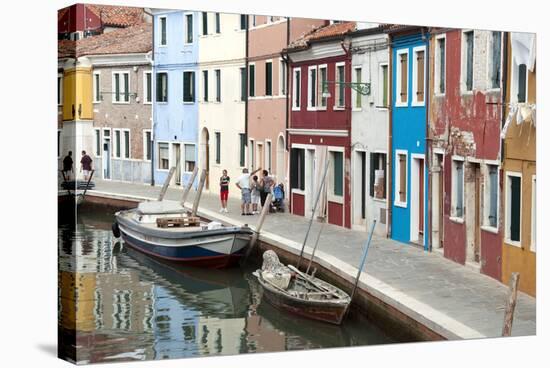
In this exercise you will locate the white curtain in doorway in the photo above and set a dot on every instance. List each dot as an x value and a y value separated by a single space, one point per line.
321 157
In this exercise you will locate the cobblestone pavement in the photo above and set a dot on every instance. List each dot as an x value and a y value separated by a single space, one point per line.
472 301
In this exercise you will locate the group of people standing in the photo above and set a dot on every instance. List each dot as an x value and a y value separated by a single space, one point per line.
254 190
85 165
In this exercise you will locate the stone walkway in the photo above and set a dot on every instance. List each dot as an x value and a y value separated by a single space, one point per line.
454 300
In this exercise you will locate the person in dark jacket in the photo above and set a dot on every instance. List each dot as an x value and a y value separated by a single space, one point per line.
68 166
86 165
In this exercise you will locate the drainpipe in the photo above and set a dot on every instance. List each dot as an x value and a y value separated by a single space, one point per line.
389 158
347 192
153 99
504 91
247 86
287 105
428 161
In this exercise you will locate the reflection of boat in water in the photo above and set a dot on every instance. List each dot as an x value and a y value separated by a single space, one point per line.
197 243
217 288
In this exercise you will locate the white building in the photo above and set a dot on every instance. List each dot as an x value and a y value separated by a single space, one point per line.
221 95
369 129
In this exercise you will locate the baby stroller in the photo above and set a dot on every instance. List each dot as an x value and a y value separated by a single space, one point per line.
279 198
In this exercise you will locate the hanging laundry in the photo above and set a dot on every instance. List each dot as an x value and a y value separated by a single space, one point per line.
524 49
511 113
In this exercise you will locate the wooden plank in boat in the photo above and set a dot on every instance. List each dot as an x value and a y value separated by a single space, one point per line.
178 221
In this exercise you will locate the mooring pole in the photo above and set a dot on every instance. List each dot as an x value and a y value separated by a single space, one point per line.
199 192
315 246
188 186
256 234
322 184
511 305
166 183
363 260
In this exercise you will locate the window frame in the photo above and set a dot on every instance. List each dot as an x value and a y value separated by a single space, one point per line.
194 87
331 195
204 25
310 97
381 85
398 102
96 86
508 213
414 91
168 145
490 44
121 81
301 186
296 89
156 87
218 147
338 107
124 146
372 172
217 23
186 28
147 148
145 101
514 90
218 80
396 200
454 187
59 144
464 62
268 157
117 146
185 144
60 79
243 76
270 84
437 69
251 80
242 150
356 96
161 18
97 142
283 83
533 245
322 102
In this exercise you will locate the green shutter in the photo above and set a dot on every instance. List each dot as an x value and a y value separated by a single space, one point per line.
338 173
515 207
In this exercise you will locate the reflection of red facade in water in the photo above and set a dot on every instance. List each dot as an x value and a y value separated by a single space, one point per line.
264 335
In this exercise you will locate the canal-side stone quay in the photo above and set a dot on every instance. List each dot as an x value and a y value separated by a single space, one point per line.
421 289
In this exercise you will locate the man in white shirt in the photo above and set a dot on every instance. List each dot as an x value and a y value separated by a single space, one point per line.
243 183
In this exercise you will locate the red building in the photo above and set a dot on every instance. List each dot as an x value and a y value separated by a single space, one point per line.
465 113
320 122
83 20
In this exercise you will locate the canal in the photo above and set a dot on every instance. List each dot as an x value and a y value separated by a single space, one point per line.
116 304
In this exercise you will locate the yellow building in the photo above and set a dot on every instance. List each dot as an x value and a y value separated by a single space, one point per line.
519 168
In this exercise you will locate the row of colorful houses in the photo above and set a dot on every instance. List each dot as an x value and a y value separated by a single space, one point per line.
430 131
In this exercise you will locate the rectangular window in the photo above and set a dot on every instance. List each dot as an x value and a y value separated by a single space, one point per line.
403 78
97 145
496 47
337 159
385 89
252 80
268 78
251 160
163 31
188 86
358 79
457 199
243 21
204 23
522 83
282 77
419 64
117 143
218 85
189 157
491 191
148 87
312 87
242 145
243 84
164 162
468 68
121 85
340 87
513 207
205 85
323 86
97 94
59 89
189 28
296 88
297 168
401 179
126 144
162 87
218 30
147 145
377 175
440 66
218 147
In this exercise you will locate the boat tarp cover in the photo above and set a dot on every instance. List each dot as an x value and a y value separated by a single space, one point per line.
160 207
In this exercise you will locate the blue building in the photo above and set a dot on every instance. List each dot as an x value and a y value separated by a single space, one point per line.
408 127
175 109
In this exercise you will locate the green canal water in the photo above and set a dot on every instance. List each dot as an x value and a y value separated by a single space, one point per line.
116 304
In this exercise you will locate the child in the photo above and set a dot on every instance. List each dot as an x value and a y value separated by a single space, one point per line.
224 190
255 194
